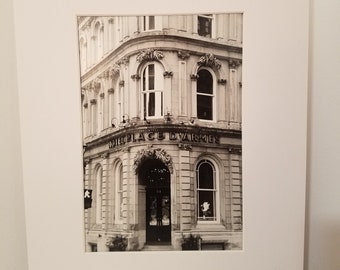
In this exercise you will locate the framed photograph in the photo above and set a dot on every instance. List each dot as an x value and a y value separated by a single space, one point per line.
173 133
162 128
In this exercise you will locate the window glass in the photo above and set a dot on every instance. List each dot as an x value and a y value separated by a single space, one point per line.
205 95
206 191
204 27
152 90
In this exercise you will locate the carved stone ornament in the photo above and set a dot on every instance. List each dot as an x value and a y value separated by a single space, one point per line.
146 154
183 55
193 77
167 74
123 61
114 70
209 60
234 63
222 81
184 146
122 83
135 77
95 84
149 55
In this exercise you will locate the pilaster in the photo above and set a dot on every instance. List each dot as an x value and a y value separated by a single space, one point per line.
186 190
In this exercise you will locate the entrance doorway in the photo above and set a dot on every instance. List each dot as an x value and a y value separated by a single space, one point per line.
156 178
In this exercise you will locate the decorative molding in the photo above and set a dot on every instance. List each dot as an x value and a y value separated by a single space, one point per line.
194 77
101 95
93 101
111 90
222 81
168 74
183 55
122 83
135 77
234 63
146 154
86 105
149 55
209 60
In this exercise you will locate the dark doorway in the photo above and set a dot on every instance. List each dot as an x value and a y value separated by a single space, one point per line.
156 178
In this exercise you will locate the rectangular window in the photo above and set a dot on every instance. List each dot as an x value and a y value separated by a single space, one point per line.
204 27
93 247
148 23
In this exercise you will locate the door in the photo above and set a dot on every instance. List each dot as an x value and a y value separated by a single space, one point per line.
158 212
158 229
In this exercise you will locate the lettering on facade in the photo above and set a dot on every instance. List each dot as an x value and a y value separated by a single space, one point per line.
182 137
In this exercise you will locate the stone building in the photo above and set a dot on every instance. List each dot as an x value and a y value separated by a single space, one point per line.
161 112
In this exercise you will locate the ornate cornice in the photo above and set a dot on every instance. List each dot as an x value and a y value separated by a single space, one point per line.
146 154
149 55
209 60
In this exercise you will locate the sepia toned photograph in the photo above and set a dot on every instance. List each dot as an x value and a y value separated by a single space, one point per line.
162 132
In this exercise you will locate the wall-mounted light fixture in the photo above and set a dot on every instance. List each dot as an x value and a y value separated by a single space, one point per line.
114 122
167 117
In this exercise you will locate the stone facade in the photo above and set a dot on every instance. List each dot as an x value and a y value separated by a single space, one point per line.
161 95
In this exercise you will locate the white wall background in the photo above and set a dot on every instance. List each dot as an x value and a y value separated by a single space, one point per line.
12 217
323 174
323 164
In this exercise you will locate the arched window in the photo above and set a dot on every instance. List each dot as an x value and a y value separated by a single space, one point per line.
100 112
152 91
207 192
98 42
99 193
83 54
118 179
205 95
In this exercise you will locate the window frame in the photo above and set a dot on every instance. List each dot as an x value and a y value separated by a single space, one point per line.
157 88
99 195
118 194
213 95
215 190
212 17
